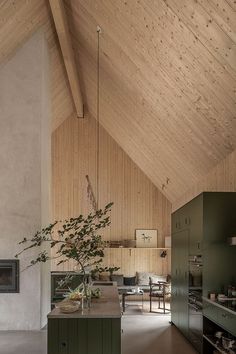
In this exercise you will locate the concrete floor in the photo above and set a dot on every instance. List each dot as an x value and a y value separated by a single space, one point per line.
143 333
23 342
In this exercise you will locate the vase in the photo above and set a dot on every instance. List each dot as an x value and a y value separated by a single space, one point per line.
86 298
85 303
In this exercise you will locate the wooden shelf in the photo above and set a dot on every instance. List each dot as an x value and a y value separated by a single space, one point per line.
213 341
139 248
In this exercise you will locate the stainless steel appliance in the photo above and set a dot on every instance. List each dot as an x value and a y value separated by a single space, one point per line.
195 302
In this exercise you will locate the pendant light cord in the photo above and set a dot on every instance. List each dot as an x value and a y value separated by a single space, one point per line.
98 112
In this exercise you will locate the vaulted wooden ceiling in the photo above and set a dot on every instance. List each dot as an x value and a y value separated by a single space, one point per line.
168 81
168 78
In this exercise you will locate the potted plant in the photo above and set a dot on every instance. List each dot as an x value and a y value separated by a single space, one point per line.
75 239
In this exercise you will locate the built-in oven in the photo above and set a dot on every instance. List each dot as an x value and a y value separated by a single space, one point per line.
195 302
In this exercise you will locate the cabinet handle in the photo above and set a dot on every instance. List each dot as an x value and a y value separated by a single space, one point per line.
176 225
63 344
198 245
224 315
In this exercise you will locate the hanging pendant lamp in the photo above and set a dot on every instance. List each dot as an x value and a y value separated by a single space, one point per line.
90 193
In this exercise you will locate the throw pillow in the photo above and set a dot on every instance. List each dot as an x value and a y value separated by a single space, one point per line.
143 278
130 281
119 278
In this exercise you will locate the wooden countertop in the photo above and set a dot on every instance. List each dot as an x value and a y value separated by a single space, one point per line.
107 306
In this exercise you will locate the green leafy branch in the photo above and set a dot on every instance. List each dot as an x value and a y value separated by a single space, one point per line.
75 238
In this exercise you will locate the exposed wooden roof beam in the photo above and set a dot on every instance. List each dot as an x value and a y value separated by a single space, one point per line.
62 29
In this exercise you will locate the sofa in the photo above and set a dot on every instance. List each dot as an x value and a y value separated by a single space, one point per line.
140 280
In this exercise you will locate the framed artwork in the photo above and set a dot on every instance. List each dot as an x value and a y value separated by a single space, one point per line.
146 238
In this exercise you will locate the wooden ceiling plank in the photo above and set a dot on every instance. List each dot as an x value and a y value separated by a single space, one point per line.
223 14
129 70
232 4
174 116
170 50
62 29
18 21
207 31
143 64
159 131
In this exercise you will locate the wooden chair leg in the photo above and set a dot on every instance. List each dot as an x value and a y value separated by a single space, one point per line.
164 305
150 304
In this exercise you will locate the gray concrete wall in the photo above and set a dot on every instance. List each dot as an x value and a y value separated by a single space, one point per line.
23 116
45 182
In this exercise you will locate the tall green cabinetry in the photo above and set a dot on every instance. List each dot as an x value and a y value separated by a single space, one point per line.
200 228
179 305
186 241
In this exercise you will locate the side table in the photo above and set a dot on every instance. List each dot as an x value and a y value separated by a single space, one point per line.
128 292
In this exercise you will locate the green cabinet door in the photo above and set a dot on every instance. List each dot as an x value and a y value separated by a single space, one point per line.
84 336
195 216
183 244
175 280
179 301
227 320
180 219
175 222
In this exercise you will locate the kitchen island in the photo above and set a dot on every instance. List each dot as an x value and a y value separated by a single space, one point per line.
90 331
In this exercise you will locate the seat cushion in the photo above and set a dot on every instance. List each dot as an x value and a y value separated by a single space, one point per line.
157 293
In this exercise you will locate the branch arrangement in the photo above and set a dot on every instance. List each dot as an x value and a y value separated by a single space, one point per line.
75 238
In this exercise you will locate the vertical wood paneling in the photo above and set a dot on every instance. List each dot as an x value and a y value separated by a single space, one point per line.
135 260
222 178
137 202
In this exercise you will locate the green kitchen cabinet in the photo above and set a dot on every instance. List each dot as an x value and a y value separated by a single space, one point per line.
210 311
190 217
222 317
227 320
175 282
179 299
175 222
93 330
195 217
84 336
199 231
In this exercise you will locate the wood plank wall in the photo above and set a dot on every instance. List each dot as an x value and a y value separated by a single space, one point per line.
137 202
221 178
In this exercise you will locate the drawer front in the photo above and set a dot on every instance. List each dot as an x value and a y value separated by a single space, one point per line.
210 311
227 320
